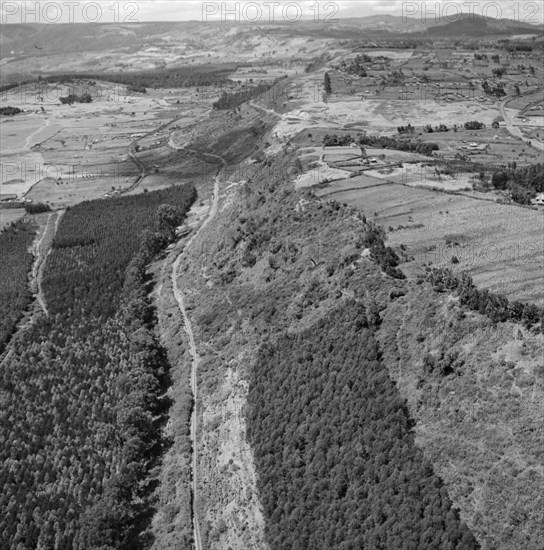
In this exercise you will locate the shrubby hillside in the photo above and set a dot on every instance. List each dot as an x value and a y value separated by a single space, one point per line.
303 301
290 302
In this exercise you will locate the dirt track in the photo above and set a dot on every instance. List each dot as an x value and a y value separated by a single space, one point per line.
194 370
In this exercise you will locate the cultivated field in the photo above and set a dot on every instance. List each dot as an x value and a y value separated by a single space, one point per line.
63 154
500 245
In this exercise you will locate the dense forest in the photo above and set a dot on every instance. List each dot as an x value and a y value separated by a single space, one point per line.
82 392
337 462
15 242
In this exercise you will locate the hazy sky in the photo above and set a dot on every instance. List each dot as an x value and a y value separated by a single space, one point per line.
80 11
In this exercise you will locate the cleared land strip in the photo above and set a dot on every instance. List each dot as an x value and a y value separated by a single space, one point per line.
42 250
178 294
137 161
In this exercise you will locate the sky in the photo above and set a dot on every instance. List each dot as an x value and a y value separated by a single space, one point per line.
80 11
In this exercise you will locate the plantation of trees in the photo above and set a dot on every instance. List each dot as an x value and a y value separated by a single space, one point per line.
16 262
86 269
337 462
82 407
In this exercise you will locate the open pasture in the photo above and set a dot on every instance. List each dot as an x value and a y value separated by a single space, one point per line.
502 147
499 245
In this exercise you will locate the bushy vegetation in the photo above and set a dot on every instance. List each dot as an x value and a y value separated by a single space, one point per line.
386 142
383 142
439 128
336 140
408 129
36 207
337 462
74 98
136 89
497 90
10 111
495 306
383 255
474 125
327 83
356 65
523 183
15 295
83 405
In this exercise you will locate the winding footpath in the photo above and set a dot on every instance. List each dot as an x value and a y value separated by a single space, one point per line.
178 294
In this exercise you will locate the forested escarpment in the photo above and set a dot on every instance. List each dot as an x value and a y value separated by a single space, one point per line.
82 391
277 264
15 295
337 461
279 267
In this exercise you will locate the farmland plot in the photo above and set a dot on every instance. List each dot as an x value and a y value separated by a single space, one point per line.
500 245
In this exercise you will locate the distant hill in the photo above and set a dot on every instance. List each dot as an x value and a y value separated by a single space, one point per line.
475 26
37 40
